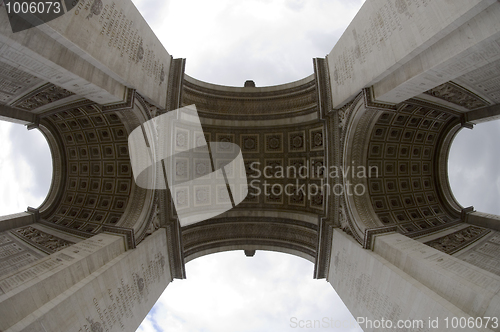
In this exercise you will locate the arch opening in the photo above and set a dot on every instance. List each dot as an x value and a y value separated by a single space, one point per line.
230 292
474 167
26 168
269 42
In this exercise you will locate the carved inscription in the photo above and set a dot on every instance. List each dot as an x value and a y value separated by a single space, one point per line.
122 35
485 262
129 292
4 239
380 26
22 60
362 289
16 262
30 273
42 267
15 254
484 254
489 249
477 277
13 81
9 250
495 239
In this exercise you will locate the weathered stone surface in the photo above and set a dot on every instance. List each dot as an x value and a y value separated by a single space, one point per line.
116 297
390 43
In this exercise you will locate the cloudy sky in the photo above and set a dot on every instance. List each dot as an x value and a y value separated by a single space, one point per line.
25 168
228 42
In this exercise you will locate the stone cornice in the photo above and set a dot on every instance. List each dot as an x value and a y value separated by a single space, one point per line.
242 103
288 236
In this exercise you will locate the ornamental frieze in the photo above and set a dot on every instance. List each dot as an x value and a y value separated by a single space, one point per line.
44 241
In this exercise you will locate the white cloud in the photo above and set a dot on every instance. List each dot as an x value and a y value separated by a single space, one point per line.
230 292
474 164
271 42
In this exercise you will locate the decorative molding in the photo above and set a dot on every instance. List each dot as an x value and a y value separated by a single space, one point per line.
176 250
323 88
43 241
357 154
371 232
324 249
305 111
458 95
152 222
68 107
465 212
427 104
174 237
127 104
441 165
432 230
175 84
34 212
343 114
271 103
372 104
46 94
341 123
64 229
456 241
127 232
59 172
35 124
277 232
342 218
332 134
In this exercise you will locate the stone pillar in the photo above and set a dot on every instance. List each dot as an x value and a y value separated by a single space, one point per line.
403 279
472 290
404 48
81 53
35 287
103 287
16 220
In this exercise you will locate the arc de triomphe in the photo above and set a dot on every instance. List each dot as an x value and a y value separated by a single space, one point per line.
389 98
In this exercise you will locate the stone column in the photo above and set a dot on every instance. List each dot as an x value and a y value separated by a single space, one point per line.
33 288
404 48
472 290
96 52
403 279
93 286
